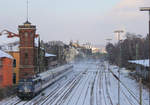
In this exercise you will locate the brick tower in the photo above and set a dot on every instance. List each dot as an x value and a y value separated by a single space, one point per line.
27 34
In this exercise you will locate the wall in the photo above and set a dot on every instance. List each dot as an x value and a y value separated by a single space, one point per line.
6 72
16 56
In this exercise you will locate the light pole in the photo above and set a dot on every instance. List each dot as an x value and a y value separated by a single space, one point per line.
108 42
119 33
148 9
108 58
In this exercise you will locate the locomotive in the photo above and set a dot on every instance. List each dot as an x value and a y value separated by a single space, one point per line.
29 88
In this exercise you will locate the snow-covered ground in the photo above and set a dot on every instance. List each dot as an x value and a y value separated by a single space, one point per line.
90 83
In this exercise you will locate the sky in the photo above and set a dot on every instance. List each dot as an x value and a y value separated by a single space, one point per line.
91 21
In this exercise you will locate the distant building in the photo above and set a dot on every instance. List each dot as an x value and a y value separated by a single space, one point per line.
6 69
57 48
103 50
70 54
95 50
142 68
50 61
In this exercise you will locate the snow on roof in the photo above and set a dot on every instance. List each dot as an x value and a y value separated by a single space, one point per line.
141 62
36 42
49 55
5 40
3 54
12 44
10 47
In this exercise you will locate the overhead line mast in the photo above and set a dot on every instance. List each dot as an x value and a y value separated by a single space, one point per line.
27 10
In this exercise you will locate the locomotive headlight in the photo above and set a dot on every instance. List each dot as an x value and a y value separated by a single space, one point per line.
20 90
27 89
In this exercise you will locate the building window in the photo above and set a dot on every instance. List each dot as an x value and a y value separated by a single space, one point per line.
14 78
14 63
26 34
1 63
26 58
26 55
26 38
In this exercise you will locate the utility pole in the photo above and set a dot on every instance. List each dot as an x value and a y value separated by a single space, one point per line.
137 51
108 57
140 91
148 9
108 41
118 33
27 10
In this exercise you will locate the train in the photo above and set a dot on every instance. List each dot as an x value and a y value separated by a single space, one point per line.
29 88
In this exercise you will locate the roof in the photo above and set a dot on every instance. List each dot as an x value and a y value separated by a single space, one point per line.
12 44
27 22
5 55
144 62
10 47
49 55
4 40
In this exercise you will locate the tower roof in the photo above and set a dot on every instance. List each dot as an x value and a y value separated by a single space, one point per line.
27 22
27 25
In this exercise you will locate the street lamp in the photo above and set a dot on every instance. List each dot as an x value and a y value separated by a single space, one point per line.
118 33
108 40
147 9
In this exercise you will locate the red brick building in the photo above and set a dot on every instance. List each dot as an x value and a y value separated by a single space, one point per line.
27 34
6 69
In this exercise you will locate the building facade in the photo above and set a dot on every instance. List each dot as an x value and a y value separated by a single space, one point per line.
27 50
16 65
6 69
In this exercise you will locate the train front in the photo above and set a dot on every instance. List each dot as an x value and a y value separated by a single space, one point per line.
25 89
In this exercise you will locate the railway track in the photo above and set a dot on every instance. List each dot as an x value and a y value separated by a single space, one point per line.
97 89
92 89
14 100
67 92
82 89
74 91
102 87
107 90
53 96
128 98
89 87
40 98
85 95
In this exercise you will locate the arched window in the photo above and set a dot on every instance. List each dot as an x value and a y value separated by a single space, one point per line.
26 38
26 34
26 58
14 63
14 78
